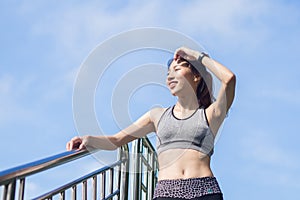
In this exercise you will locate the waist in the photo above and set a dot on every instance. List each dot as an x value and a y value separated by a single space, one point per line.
182 164
188 180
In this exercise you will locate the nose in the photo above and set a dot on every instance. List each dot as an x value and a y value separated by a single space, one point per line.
170 76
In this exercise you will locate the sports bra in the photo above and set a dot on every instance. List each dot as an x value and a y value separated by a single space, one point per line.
189 133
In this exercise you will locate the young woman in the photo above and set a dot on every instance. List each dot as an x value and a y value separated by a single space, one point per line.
185 131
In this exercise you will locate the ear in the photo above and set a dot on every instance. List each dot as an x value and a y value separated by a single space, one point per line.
197 78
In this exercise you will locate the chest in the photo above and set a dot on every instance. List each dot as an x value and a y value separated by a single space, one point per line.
171 129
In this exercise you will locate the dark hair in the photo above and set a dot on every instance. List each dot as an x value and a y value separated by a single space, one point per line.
204 96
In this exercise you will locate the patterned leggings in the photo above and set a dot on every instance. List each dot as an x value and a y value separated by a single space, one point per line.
205 197
206 188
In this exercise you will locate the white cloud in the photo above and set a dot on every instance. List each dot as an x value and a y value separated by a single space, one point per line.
94 22
284 95
231 24
5 84
91 21
268 160
60 88
234 23
261 146
25 98
11 91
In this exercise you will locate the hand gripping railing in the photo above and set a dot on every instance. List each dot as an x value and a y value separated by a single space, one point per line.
9 178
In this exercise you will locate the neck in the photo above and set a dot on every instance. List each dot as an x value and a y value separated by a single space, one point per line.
187 102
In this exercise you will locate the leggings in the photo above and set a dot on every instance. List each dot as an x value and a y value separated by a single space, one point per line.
205 197
205 188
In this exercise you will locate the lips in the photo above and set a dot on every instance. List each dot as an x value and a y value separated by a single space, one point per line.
172 84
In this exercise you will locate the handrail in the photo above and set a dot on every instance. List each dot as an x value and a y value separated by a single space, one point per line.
144 165
122 185
9 177
31 168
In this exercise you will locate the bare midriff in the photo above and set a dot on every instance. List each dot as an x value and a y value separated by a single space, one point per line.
183 164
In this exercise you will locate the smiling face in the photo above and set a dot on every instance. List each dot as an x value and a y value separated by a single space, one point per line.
180 79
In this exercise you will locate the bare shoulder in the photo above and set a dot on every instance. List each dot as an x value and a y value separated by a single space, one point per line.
155 114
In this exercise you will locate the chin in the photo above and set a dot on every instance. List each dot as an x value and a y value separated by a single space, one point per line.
174 93
176 90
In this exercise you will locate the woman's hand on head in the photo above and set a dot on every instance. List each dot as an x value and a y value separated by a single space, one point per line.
77 143
186 53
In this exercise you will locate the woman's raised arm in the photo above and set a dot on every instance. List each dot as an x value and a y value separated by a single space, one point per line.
217 111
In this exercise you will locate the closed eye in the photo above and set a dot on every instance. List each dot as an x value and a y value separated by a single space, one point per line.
184 64
178 67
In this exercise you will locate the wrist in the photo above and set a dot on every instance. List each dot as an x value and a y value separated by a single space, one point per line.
201 56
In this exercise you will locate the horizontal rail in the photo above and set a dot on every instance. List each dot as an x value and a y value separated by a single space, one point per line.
79 180
146 163
147 143
31 168
109 197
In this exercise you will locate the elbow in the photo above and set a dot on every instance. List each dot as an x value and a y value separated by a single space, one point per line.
233 79
109 143
119 140
114 143
230 80
114 148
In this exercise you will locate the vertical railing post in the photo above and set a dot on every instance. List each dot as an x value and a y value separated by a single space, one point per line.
4 192
123 172
136 153
84 190
94 191
21 188
150 176
10 190
103 183
74 192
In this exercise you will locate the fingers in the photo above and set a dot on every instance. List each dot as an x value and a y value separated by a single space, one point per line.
182 52
74 143
185 53
179 53
82 146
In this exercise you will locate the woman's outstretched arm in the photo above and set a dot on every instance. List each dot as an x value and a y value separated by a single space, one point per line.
138 129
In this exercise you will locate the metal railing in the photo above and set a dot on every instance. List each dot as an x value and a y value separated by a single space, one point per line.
10 178
117 185
145 169
113 180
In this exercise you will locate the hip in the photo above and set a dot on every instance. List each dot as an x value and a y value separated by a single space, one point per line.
191 188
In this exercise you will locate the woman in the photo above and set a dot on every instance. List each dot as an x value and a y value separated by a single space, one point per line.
185 131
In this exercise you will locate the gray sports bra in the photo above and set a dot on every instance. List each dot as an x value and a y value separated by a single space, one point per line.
189 133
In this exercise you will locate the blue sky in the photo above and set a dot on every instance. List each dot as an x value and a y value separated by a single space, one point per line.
43 44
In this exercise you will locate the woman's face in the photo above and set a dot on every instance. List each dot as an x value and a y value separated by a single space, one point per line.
180 78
